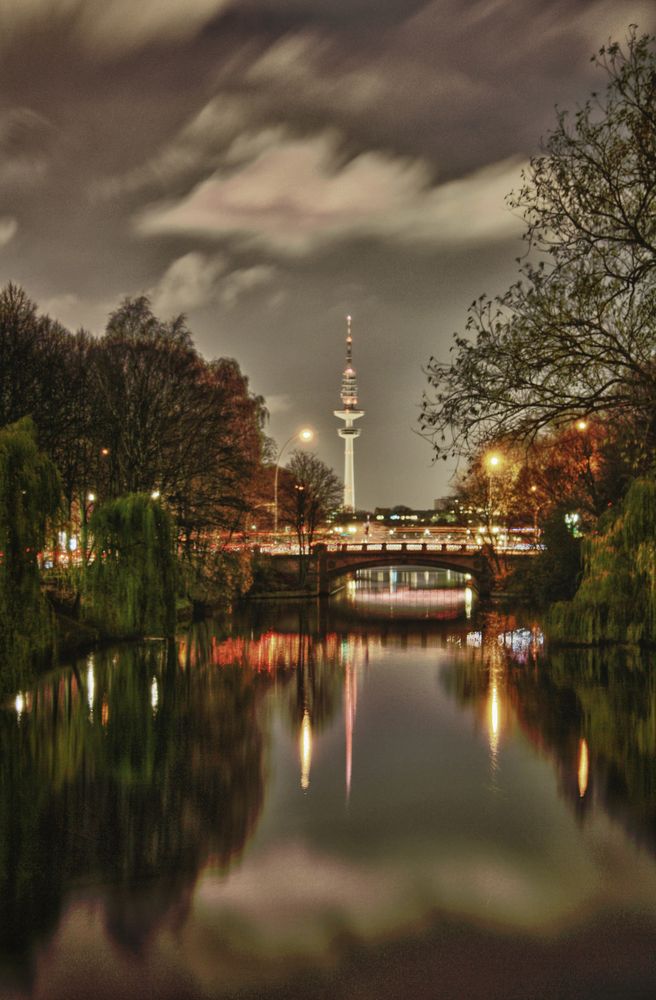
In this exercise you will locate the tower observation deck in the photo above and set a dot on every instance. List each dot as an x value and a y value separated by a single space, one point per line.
349 413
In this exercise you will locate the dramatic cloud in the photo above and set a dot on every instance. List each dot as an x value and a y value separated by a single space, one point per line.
294 197
114 24
362 148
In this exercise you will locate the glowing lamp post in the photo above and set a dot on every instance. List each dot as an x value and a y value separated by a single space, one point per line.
537 507
304 436
492 461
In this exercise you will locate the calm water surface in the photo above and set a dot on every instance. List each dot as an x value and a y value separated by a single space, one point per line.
389 796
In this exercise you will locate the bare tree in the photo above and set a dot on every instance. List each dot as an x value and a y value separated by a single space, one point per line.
311 491
576 334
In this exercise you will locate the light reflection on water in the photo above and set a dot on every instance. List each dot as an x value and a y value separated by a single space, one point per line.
321 803
409 592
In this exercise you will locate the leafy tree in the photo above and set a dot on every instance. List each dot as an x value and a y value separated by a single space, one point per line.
145 373
223 470
553 574
581 467
29 502
173 423
131 582
44 375
492 487
616 601
575 334
137 410
20 373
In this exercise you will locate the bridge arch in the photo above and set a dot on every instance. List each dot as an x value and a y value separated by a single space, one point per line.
339 560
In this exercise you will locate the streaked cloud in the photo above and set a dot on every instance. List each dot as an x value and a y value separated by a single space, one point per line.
295 196
25 138
113 25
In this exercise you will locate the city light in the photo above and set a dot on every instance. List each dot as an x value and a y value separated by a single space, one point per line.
306 750
91 686
583 768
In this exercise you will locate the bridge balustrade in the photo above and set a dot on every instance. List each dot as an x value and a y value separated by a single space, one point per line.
402 547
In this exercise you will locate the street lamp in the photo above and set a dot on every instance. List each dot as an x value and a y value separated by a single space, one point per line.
304 435
537 507
492 461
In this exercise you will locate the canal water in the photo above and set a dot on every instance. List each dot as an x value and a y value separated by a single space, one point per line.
390 795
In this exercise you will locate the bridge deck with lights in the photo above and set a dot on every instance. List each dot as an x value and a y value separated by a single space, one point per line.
522 548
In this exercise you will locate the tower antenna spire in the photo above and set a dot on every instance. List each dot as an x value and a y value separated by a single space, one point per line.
349 413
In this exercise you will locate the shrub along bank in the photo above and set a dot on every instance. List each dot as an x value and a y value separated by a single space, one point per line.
616 600
29 502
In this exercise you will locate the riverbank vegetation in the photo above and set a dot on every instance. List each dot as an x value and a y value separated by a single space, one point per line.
130 586
560 367
29 504
616 600
127 464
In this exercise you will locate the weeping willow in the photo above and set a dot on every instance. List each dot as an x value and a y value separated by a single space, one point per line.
130 586
616 601
29 502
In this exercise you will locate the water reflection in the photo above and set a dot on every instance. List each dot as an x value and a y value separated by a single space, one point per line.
145 789
197 793
592 712
409 592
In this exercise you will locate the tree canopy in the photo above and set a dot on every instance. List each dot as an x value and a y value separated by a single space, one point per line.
135 410
575 334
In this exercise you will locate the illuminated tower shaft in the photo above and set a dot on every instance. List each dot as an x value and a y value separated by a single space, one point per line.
349 413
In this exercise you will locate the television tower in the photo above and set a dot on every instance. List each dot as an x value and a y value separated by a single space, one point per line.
348 414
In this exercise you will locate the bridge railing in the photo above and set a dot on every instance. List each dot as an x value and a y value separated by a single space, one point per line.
373 547
354 548
454 547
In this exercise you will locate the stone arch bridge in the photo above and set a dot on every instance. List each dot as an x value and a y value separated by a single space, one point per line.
335 560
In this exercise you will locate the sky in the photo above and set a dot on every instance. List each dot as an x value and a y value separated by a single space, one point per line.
269 166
